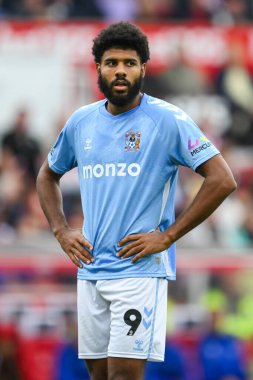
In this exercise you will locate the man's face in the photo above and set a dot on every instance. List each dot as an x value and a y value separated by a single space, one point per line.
120 75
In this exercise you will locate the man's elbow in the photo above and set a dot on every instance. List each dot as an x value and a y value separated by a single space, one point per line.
39 180
44 177
229 184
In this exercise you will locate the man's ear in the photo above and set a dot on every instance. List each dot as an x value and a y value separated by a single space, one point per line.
98 67
143 70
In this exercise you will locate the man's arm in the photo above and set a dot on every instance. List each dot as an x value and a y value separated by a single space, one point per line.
72 241
217 185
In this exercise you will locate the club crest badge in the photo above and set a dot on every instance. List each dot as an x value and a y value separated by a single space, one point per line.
132 141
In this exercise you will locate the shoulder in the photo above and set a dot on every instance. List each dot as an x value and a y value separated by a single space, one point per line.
159 109
84 112
169 119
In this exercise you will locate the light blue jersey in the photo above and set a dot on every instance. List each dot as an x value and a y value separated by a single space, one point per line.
128 167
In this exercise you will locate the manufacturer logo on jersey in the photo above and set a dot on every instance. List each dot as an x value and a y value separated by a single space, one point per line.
120 169
132 141
138 345
195 147
87 143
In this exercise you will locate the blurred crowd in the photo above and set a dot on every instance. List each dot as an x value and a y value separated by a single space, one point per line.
228 12
20 159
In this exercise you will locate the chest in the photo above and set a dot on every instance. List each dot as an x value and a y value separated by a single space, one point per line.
116 141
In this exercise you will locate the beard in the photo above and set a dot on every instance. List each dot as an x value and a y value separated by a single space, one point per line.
120 100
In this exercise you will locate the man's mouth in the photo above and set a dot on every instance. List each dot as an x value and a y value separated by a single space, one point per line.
120 85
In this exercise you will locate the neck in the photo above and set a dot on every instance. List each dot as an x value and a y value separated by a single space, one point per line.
116 110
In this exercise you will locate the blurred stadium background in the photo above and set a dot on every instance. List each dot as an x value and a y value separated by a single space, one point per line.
202 61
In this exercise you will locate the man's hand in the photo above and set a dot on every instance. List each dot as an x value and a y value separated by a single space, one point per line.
142 245
74 243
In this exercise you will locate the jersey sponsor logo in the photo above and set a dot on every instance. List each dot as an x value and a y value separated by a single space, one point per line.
120 169
200 148
132 141
194 144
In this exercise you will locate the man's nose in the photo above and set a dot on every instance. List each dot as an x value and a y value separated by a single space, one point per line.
120 70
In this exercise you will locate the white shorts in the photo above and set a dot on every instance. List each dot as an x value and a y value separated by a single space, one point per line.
122 318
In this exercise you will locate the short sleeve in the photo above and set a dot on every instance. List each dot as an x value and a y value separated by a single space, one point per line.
61 157
190 147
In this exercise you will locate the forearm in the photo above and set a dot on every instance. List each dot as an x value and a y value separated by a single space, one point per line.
71 240
211 194
50 197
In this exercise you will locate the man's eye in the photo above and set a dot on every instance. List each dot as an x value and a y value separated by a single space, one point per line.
110 63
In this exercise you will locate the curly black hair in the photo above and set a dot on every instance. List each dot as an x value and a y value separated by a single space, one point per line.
123 35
